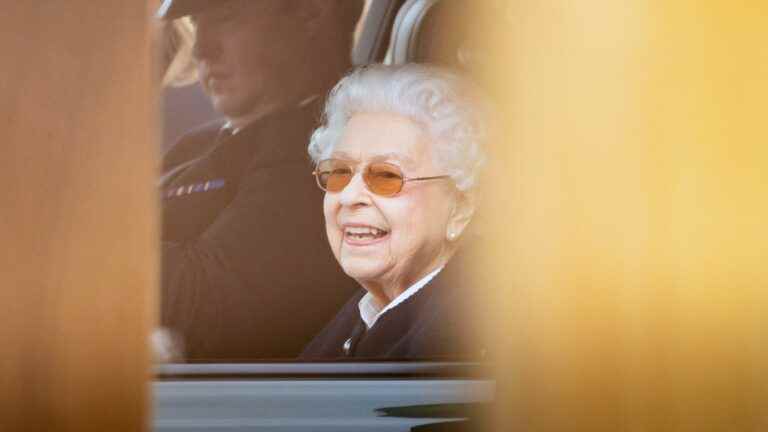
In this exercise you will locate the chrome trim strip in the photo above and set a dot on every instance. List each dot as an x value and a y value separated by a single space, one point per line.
319 370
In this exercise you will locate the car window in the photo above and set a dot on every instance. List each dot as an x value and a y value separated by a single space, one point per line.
256 263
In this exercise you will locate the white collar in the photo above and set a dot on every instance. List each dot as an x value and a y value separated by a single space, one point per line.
371 310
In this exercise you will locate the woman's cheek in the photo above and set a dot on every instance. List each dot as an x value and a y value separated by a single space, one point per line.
332 230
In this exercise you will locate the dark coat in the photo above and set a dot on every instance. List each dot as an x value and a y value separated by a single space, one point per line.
434 323
246 269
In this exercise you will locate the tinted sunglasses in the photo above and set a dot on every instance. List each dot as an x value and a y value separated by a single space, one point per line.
383 179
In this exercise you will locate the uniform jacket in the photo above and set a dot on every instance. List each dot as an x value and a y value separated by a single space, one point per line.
246 269
434 323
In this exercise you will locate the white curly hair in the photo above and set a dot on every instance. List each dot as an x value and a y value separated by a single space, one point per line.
447 105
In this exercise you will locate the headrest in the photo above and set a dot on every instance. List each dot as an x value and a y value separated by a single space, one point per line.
434 31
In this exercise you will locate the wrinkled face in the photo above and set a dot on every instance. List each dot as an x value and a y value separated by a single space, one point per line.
248 54
389 240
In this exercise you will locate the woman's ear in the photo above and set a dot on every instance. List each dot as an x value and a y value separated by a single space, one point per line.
463 210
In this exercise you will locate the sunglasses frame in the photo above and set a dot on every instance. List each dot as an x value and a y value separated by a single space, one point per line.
354 167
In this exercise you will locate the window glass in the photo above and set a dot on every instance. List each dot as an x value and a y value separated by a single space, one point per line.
258 262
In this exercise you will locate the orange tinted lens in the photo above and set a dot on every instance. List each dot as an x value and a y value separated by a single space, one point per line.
384 179
333 175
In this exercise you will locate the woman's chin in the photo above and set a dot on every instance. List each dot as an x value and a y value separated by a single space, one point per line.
362 269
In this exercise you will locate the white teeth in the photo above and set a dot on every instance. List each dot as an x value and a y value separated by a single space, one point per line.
361 232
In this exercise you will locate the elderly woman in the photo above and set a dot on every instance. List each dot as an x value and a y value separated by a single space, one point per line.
398 157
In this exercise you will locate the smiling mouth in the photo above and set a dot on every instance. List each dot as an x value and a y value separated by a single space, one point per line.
363 235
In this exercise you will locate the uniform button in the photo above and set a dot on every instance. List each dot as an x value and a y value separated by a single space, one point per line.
347 346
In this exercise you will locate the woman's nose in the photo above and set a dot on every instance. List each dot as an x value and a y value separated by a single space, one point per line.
356 193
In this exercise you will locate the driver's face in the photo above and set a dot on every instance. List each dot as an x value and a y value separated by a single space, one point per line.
247 53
